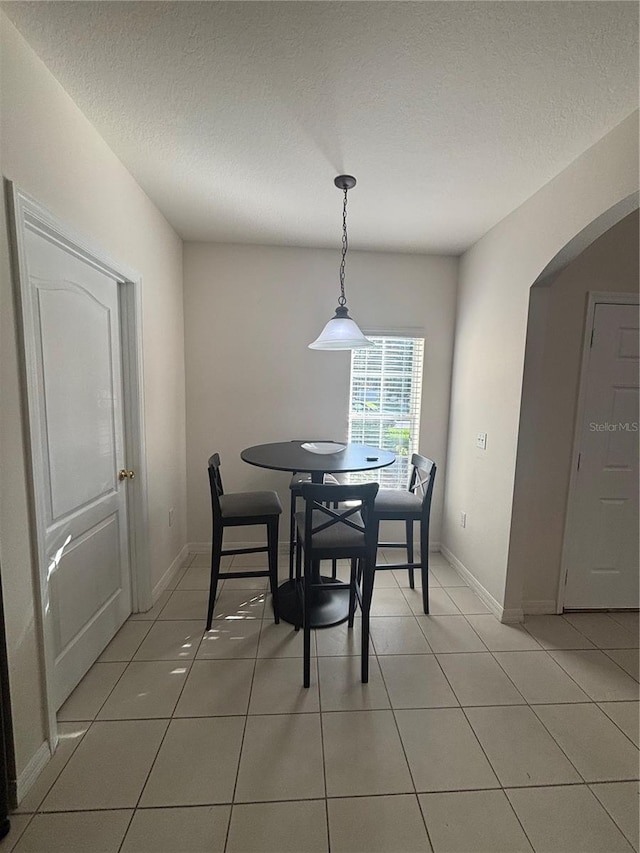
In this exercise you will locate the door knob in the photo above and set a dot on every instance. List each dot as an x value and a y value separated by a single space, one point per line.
123 474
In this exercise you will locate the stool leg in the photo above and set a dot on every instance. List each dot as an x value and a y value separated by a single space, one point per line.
409 528
334 563
272 543
216 556
299 592
367 595
299 585
352 592
292 531
298 561
424 563
377 523
306 622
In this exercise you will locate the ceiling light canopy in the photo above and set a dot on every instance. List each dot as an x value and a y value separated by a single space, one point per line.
341 332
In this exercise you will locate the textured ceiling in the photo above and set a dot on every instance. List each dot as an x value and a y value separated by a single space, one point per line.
235 117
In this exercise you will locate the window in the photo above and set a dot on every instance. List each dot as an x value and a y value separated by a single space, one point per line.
384 406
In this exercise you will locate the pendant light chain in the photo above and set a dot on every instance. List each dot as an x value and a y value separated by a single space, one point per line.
342 300
342 332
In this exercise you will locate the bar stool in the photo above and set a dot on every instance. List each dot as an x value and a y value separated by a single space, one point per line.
410 505
328 533
242 509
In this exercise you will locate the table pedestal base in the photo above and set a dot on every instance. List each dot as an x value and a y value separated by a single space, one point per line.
328 606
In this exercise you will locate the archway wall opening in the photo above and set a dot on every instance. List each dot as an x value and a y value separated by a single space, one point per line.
555 336
495 279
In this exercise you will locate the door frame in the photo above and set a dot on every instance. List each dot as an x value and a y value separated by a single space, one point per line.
25 213
594 298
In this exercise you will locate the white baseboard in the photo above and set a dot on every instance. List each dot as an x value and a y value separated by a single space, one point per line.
21 786
167 577
512 615
508 616
539 607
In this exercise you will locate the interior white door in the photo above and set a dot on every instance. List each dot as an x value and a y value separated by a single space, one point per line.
72 318
602 531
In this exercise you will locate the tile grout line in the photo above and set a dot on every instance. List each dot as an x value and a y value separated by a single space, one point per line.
604 806
48 791
584 689
244 731
468 721
402 745
324 763
406 758
350 796
162 740
532 708
606 652
424 821
517 817
556 663
597 704
597 646
91 723
16 840
612 615
135 808
350 710
558 744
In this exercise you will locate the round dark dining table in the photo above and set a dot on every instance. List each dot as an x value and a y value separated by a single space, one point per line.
329 606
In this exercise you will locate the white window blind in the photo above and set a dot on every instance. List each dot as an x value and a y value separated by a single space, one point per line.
384 406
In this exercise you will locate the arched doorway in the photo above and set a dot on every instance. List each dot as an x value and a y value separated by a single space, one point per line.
604 258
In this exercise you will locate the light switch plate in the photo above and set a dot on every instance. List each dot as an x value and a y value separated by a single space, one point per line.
481 440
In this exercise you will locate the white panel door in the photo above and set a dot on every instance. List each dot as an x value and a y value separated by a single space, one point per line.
72 316
602 531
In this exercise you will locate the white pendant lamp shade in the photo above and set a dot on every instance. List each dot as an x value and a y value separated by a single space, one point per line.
341 332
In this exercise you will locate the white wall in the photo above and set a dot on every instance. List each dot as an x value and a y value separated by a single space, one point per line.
551 379
52 152
250 312
493 298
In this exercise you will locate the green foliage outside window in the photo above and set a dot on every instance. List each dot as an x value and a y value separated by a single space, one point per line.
398 439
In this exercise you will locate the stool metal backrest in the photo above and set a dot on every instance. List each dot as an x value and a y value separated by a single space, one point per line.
329 530
215 483
423 474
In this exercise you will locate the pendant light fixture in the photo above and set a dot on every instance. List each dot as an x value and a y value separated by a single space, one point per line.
341 332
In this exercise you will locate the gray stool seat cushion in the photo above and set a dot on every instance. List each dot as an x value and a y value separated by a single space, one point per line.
339 535
397 501
250 503
300 477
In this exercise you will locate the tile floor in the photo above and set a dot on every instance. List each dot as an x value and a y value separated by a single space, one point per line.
471 735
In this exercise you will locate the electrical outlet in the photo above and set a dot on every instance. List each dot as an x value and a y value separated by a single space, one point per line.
171 513
463 519
481 440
